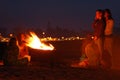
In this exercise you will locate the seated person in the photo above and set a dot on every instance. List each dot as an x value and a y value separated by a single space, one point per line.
23 51
10 57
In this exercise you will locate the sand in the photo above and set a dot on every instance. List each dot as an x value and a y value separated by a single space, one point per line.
55 65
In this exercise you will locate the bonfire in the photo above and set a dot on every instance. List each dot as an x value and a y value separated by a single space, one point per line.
33 41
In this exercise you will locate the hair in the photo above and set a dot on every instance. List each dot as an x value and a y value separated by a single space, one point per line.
100 10
109 13
12 41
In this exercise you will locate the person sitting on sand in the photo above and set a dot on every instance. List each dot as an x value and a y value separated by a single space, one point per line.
11 54
23 49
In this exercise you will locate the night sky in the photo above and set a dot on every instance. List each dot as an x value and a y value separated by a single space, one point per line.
70 14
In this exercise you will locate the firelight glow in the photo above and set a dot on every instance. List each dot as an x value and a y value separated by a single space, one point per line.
34 42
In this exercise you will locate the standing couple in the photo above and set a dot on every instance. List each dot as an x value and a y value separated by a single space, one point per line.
98 52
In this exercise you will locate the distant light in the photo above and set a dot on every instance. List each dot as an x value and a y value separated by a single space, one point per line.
11 35
62 37
43 33
78 37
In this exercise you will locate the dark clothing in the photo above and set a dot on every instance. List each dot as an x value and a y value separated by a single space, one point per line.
3 46
99 27
11 55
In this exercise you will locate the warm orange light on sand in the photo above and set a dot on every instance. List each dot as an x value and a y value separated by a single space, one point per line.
34 42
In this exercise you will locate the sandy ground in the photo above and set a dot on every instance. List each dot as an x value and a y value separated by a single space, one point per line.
116 53
55 65
56 73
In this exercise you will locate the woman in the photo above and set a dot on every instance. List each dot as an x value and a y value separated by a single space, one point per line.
108 41
108 31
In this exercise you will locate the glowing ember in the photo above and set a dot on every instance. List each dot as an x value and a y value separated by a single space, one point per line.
34 42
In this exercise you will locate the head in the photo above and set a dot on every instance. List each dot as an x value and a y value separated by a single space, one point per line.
20 38
107 14
13 41
99 14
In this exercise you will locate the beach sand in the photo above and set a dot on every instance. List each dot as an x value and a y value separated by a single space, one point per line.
55 65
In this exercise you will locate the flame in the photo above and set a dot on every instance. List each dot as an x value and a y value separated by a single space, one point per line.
34 42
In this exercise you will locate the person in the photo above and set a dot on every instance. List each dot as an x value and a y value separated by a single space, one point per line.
11 54
99 27
108 40
23 49
94 49
108 31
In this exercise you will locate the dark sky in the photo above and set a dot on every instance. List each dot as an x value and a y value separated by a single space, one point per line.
73 14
